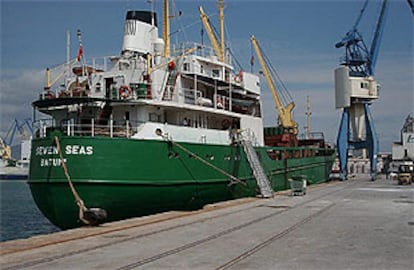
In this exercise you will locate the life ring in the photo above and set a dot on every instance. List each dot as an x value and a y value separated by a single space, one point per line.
125 91
225 123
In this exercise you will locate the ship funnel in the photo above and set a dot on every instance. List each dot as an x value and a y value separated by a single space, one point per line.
140 31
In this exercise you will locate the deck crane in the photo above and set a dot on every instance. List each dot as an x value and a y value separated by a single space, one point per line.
355 90
285 112
219 47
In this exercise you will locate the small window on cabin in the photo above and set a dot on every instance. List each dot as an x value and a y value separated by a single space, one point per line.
201 69
153 117
216 73
364 85
186 67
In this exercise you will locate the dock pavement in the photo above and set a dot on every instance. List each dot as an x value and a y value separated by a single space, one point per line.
353 224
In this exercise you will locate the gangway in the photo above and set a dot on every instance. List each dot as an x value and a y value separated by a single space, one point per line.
262 181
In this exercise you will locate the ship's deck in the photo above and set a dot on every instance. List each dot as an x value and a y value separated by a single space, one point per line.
356 224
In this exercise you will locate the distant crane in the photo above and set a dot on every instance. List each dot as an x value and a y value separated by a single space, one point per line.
7 141
355 90
18 126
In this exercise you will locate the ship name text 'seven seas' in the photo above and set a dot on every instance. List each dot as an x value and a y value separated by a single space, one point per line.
69 150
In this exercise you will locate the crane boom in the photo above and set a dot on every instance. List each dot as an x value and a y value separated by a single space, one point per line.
216 46
285 112
373 53
361 60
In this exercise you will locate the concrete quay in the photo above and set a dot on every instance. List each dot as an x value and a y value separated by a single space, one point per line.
355 224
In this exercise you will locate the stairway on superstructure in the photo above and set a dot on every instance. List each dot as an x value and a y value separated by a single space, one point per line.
262 181
172 77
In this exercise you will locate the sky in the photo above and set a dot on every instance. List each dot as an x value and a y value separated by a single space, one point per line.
298 36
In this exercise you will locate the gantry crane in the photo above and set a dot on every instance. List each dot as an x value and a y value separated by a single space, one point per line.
355 90
285 112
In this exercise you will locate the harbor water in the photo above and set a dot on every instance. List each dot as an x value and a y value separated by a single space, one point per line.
20 218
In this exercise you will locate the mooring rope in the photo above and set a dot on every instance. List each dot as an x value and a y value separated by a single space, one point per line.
78 200
232 177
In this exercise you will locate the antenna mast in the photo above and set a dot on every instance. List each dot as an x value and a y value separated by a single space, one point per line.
308 114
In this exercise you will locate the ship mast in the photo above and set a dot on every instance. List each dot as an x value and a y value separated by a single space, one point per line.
166 30
221 18
308 115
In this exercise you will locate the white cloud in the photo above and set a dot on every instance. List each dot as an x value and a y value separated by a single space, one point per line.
19 88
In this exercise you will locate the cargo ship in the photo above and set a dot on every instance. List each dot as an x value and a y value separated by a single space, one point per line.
156 129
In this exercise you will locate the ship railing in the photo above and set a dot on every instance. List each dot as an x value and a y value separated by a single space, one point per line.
91 128
195 97
191 96
42 126
202 50
99 64
64 74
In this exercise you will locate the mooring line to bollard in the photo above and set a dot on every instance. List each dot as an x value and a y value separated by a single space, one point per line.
78 199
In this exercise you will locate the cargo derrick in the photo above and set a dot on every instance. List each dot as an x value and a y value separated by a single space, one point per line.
286 133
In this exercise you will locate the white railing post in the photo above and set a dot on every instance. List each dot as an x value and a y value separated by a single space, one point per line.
68 128
111 125
72 127
42 131
92 127
127 128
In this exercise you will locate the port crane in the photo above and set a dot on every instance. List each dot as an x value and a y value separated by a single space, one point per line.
285 119
19 126
355 90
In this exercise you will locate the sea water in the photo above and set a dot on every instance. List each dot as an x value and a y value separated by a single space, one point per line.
19 216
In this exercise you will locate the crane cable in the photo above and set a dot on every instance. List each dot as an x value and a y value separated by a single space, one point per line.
285 94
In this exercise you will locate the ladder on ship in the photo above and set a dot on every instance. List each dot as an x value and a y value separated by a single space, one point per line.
262 181
170 85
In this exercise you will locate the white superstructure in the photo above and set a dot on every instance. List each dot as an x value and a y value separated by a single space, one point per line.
190 95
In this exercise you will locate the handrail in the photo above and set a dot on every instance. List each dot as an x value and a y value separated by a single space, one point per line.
69 128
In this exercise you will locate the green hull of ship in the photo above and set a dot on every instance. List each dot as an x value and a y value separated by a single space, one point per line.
130 178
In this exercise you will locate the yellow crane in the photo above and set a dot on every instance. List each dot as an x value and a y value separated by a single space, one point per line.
285 112
218 47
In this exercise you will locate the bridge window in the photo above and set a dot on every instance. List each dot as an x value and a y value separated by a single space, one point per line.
216 73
